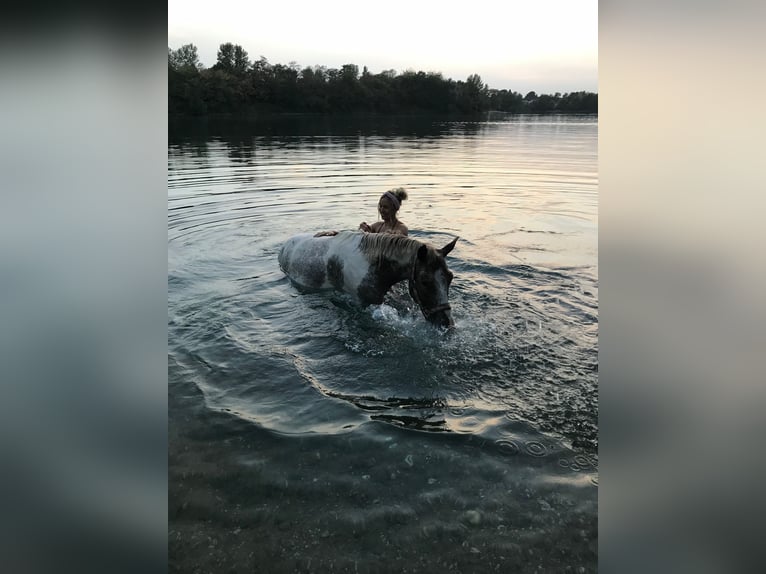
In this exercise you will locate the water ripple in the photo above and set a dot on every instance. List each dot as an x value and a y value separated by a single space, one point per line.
524 295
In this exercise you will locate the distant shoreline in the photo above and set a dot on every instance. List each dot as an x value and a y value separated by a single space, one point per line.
235 84
259 114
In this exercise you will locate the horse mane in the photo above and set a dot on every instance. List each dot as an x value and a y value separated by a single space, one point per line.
379 246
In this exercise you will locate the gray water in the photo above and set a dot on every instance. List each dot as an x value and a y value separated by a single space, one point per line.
310 434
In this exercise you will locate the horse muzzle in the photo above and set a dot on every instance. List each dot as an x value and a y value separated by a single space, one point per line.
441 316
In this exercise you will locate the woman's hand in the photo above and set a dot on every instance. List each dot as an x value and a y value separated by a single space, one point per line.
325 234
364 227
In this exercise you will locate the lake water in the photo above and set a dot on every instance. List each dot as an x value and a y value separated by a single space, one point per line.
310 434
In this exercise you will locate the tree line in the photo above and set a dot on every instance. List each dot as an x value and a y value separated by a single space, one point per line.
237 84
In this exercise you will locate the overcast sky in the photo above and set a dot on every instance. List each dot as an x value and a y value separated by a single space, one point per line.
519 45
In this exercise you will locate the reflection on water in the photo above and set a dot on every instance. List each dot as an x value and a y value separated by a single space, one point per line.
364 418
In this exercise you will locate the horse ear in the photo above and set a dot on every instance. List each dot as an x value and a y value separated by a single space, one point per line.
422 252
447 248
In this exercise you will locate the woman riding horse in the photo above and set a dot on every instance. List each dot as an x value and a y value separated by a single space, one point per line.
388 206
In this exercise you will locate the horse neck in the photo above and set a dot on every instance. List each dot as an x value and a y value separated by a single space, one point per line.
400 268
396 263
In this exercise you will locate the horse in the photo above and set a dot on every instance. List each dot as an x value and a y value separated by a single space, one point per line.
367 265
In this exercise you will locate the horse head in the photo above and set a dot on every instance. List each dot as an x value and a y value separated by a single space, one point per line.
429 283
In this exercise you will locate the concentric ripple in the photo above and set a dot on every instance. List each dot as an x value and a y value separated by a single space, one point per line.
508 447
535 448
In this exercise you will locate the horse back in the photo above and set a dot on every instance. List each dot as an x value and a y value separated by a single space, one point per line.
324 262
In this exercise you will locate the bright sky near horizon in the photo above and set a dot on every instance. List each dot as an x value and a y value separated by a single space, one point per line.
519 45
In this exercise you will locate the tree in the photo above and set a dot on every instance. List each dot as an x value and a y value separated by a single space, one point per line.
343 89
579 102
232 58
225 57
312 89
261 66
350 72
472 95
543 104
185 59
241 61
474 80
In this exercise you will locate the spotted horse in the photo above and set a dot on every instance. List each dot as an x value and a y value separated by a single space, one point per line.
367 265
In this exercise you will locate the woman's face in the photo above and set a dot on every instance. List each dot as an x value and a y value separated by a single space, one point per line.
386 209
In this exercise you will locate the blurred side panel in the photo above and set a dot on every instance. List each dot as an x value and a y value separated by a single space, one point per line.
682 269
83 414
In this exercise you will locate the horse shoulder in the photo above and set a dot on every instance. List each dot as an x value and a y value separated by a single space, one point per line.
346 265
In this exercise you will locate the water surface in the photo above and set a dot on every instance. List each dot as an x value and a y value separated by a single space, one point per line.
311 434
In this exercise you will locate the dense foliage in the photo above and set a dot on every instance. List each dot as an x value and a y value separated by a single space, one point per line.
235 84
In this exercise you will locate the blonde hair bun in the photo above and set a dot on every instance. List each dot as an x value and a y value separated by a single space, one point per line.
400 193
